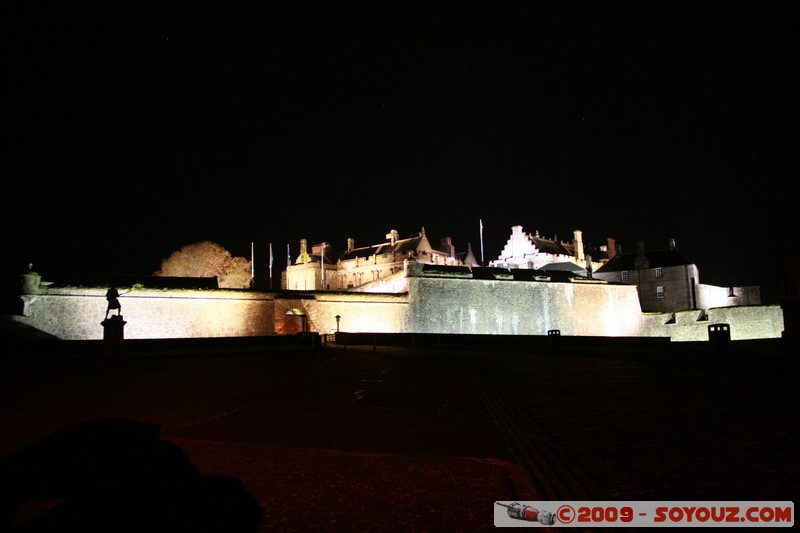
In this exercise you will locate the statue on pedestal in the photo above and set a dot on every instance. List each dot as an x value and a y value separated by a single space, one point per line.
112 295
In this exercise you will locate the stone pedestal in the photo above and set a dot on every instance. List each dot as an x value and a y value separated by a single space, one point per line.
31 282
113 333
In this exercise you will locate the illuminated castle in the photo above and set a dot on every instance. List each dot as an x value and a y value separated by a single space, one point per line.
379 267
666 279
407 286
540 253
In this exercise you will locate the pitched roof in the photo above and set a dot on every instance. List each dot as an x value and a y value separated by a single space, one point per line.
402 246
566 266
315 258
655 259
549 246
556 247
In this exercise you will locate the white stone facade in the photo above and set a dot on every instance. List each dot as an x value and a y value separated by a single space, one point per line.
523 250
376 268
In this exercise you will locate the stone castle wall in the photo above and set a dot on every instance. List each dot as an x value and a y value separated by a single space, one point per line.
746 322
357 312
522 307
432 305
77 313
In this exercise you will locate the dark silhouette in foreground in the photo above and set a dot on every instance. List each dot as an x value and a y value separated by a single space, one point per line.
112 295
117 475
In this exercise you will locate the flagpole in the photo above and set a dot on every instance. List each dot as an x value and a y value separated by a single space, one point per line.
288 264
322 263
481 223
270 266
252 265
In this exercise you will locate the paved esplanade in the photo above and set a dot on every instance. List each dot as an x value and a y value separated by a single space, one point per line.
364 439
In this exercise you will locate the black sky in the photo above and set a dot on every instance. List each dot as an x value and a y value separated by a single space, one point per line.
134 128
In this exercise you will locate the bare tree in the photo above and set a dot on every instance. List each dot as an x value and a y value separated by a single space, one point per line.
208 259
237 274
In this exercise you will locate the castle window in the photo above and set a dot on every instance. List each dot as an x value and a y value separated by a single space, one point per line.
659 291
659 272
625 275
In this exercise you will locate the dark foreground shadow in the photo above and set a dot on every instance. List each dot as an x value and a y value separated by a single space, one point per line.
117 475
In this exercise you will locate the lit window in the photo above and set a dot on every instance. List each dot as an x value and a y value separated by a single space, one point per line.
625 275
659 292
659 272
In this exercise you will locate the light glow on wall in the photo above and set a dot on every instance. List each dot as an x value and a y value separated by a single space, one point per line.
448 306
216 318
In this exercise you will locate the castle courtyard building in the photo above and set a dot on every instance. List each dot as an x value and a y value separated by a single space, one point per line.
379 267
669 281
535 252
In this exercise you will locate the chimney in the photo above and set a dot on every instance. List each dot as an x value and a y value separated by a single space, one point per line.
304 250
447 246
641 259
672 244
322 249
392 236
578 242
611 247
351 244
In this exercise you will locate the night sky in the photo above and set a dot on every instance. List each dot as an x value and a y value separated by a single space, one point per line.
131 129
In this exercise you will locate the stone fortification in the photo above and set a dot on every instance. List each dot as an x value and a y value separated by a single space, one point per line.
443 305
746 322
76 313
357 312
510 307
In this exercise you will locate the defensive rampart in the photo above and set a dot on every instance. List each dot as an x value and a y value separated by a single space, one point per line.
431 305
75 313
